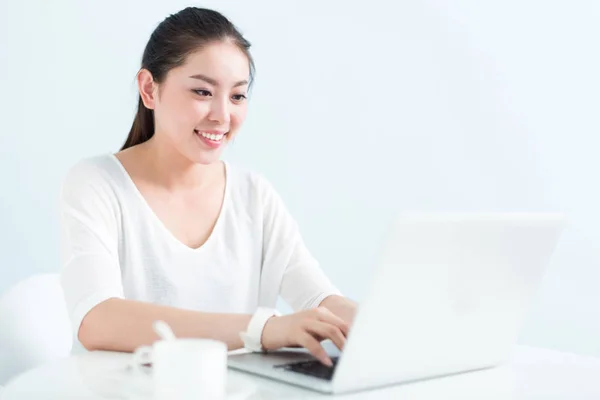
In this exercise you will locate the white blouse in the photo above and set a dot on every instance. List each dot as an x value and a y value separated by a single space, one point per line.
113 245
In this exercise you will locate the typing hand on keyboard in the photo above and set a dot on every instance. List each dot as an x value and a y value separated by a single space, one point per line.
306 329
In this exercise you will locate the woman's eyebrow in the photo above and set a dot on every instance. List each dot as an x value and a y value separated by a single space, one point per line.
214 81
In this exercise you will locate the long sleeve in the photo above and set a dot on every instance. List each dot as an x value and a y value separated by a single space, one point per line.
302 283
90 270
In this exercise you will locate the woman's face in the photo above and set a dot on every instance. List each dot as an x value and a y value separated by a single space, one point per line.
201 105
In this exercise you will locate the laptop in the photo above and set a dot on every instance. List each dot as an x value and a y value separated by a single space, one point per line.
448 294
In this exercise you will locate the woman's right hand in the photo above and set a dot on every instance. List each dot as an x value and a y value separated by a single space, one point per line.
306 329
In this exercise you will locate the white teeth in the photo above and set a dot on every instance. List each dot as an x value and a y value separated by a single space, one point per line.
212 136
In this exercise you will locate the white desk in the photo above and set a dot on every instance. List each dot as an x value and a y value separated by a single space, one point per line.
531 374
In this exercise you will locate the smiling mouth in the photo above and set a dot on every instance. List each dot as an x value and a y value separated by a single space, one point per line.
214 137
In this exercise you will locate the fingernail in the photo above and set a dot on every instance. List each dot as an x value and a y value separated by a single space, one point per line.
328 362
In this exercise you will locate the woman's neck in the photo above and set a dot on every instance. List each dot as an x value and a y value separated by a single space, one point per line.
175 172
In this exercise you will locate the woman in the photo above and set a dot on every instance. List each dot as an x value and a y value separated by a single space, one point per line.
164 230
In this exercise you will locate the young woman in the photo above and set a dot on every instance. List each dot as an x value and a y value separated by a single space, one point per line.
165 230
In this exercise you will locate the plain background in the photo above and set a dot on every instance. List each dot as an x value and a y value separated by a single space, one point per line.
360 109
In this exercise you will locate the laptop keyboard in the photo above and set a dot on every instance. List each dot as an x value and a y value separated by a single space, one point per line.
313 368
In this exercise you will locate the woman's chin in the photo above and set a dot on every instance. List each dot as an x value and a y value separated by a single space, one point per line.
206 158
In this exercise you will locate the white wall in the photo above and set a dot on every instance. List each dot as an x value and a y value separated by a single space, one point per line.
360 109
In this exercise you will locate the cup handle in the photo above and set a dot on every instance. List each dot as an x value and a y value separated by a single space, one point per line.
141 356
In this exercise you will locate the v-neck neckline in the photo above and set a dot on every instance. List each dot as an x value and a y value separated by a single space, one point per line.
162 225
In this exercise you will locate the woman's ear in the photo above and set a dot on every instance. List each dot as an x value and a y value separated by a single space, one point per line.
147 86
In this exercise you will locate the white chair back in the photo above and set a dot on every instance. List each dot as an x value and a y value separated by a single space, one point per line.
34 325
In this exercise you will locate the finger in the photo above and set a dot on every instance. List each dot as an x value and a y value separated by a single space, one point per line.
328 331
323 314
314 347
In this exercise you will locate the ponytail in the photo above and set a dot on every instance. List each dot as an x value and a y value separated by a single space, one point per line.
142 128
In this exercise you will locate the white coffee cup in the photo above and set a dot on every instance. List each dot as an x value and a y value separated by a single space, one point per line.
185 369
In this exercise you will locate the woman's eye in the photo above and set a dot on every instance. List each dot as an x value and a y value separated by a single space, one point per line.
203 92
239 97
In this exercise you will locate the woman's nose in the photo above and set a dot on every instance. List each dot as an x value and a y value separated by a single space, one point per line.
219 111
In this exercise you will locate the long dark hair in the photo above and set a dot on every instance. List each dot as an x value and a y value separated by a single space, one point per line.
171 42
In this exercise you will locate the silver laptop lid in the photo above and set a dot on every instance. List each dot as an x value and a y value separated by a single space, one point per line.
449 294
